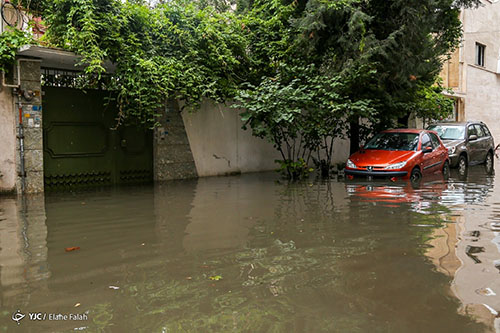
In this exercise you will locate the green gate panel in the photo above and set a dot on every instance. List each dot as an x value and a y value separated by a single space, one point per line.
81 146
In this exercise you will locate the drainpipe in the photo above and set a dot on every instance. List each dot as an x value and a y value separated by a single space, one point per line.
22 171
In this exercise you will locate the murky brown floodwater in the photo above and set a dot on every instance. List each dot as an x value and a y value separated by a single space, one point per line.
249 254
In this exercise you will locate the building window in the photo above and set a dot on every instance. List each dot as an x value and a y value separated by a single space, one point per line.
480 54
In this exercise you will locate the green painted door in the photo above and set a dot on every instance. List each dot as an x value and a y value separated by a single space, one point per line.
81 148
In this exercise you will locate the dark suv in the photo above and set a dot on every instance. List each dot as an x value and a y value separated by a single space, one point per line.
468 143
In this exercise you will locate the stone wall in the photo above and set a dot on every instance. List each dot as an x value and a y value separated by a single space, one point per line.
172 154
32 122
29 95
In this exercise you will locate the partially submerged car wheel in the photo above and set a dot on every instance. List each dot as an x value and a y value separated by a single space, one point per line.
488 163
462 165
415 175
415 178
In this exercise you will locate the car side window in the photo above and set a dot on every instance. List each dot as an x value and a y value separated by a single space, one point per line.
479 131
426 141
471 131
435 140
486 130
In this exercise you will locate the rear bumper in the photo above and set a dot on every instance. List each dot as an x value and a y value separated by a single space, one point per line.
376 173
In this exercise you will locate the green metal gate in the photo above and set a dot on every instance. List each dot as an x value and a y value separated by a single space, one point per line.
80 146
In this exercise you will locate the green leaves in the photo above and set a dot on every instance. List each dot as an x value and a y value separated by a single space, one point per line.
173 50
10 41
301 111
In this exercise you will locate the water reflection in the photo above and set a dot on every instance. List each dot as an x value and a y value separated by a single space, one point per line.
250 254
476 282
419 197
23 249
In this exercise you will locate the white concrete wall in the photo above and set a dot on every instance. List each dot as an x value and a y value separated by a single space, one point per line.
482 25
7 141
482 101
220 146
482 84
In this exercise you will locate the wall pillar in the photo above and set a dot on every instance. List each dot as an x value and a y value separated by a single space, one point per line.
31 102
172 154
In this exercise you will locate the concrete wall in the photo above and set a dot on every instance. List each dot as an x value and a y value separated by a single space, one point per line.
8 170
481 25
483 99
220 146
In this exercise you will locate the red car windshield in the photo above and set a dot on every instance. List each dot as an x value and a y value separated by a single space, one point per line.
393 141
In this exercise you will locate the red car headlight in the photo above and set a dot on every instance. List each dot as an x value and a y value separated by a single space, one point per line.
395 166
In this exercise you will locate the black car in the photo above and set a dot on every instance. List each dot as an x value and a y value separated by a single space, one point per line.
468 143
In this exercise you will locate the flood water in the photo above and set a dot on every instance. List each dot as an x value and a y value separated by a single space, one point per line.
251 253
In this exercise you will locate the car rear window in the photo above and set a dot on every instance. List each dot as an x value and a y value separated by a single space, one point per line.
449 132
393 141
486 130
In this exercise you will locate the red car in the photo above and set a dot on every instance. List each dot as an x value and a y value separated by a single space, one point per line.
400 153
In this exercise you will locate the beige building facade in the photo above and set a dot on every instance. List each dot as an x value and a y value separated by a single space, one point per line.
473 71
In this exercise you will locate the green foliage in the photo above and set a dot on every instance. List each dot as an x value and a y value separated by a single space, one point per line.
10 41
304 71
328 64
432 104
33 6
295 170
404 42
301 111
174 50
